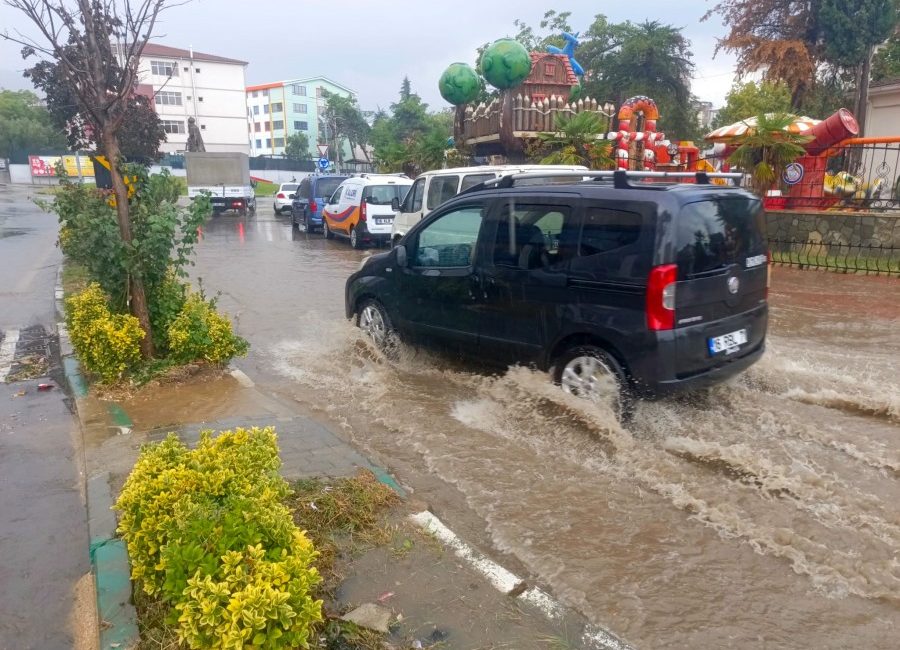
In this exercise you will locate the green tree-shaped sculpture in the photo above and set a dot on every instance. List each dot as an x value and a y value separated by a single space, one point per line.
505 63
460 84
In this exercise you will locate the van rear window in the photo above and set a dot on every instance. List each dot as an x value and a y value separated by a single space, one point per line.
326 186
383 194
712 235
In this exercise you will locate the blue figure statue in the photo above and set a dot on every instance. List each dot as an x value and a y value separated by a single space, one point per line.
569 51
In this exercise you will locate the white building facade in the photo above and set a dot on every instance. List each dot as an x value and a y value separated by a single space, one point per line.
209 88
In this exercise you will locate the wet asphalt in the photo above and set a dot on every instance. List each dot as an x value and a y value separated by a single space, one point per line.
43 525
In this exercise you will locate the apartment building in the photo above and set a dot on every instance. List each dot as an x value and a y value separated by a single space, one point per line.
277 110
207 87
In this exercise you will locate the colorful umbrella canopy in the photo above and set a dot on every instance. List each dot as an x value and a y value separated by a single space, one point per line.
801 124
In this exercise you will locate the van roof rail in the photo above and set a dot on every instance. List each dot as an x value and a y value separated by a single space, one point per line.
620 177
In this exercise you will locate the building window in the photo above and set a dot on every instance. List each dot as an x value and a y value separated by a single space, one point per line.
173 126
199 99
257 126
164 68
301 126
168 98
301 108
266 109
265 93
299 90
279 142
278 124
320 92
196 69
256 110
253 94
203 127
186 69
259 144
268 143
277 107
549 69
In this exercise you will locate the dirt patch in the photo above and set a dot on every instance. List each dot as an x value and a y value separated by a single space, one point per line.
83 618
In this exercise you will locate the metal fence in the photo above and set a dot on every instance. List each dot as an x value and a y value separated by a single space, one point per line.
869 259
855 177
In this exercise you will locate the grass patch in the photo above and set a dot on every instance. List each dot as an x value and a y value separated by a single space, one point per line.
345 512
264 188
75 278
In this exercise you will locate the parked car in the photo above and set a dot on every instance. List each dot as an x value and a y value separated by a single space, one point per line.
433 188
362 208
656 287
284 197
310 198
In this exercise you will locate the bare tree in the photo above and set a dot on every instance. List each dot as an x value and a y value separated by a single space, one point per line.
97 45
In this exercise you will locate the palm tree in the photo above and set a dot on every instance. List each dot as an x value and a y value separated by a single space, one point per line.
577 142
766 148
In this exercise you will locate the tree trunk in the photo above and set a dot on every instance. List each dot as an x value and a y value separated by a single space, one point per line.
862 92
138 297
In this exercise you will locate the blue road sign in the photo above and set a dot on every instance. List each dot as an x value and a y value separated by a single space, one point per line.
323 163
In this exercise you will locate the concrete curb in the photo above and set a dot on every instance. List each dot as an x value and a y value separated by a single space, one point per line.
115 612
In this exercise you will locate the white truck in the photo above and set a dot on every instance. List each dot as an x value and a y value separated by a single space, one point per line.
225 176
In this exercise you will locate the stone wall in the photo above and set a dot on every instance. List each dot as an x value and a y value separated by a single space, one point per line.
840 230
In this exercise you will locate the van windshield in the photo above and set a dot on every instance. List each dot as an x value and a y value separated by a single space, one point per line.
715 234
384 194
326 186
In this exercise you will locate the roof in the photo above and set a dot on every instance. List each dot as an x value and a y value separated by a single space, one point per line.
893 81
571 77
156 49
288 82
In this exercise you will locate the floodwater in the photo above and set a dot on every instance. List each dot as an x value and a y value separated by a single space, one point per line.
764 512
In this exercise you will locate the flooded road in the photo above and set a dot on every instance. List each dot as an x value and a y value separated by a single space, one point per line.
764 512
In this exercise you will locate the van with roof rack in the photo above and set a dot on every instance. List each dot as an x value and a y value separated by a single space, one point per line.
620 281
433 188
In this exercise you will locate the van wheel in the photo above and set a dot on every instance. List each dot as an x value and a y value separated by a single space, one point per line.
373 319
326 231
355 240
591 373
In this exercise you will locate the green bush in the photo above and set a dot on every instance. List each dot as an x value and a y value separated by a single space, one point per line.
200 332
208 533
166 300
107 344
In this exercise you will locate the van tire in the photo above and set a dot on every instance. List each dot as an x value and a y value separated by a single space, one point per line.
355 241
326 231
573 361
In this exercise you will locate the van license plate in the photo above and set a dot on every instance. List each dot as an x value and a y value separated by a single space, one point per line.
382 222
727 343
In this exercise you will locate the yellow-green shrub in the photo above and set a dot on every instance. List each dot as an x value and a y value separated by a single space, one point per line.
107 344
207 531
200 332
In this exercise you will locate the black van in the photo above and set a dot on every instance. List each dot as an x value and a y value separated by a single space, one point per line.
658 287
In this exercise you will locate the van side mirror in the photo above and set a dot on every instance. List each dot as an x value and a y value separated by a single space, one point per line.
400 252
395 204
292 196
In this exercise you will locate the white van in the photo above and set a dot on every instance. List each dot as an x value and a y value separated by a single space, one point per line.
361 208
434 187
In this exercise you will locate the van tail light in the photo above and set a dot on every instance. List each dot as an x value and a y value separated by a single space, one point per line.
313 206
661 297
280 195
362 210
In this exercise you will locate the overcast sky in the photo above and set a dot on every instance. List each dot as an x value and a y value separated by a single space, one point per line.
370 45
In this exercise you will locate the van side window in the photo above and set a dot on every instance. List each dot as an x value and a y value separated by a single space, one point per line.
413 200
606 230
442 188
531 236
471 180
336 197
449 242
304 189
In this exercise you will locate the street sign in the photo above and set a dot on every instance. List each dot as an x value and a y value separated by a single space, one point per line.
323 150
323 163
